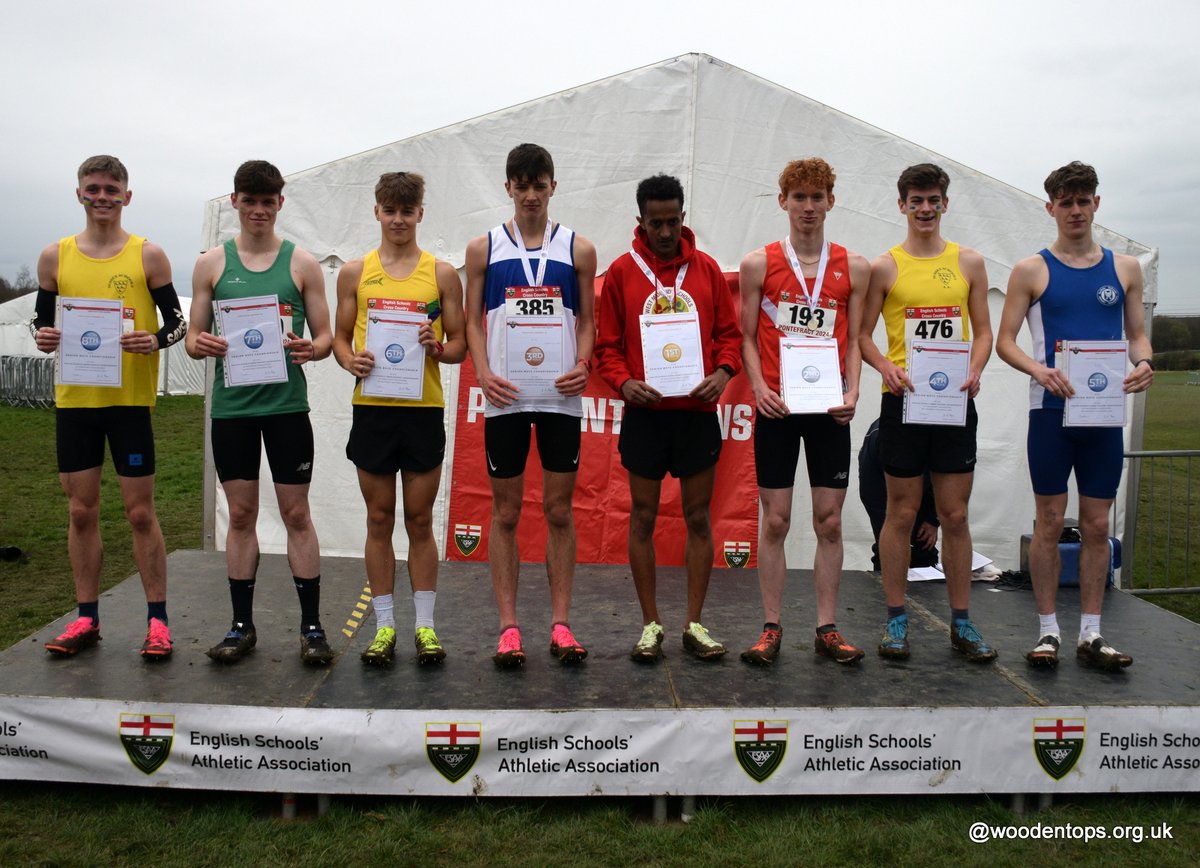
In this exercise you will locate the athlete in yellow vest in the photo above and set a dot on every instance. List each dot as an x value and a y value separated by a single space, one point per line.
931 289
399 315
106 262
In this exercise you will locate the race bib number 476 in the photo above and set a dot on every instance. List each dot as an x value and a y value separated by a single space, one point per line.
933 324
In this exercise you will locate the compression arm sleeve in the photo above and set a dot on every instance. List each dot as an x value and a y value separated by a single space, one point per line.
43 310
174 325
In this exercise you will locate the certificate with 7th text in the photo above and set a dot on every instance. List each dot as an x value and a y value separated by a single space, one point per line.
393 329
1096 371
937 370
671 352
810 374
89 353
251 326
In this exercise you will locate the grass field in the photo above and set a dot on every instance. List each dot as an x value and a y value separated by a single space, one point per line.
56 824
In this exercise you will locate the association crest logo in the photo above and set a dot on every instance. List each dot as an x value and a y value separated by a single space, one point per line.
944 275
759 746
1058 743
147 739
1107 295
467 537
452 748
737 554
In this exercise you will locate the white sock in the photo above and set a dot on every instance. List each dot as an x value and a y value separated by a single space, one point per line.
423 602
383 611
1048 624
1088 624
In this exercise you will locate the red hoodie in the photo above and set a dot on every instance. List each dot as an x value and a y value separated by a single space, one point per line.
627 294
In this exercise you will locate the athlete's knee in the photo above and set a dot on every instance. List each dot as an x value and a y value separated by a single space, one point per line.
84 513
828 526
1094 528
243 516
506 514
696 517
559 515
381 521
419 525
953 519
775 526
296 517
141 516
641 522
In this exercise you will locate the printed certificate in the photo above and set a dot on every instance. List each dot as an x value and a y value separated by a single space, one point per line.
251 326
393 326
810 374
89 353
1096 370
671 352
534 352
937 369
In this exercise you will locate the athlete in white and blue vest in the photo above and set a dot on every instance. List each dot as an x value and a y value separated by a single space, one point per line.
1074 290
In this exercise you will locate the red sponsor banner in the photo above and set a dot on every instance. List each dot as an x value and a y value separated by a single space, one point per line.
602 490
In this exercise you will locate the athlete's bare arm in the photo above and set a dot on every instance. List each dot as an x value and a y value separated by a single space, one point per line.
860 278
306 273
499 391
200 342
360 363
47 337
1026 284
450 291
974 270
750 281
1129 270
574 381
883 277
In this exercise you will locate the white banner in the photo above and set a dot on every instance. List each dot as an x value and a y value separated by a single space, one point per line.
705 751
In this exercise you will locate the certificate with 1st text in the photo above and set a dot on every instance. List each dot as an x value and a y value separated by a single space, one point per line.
393 328
1096 371
810 374
89 352
671 352
937 370
251 326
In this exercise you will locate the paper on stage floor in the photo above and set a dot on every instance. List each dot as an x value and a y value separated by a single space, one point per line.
935 574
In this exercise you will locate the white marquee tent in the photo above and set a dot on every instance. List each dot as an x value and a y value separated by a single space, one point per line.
726 134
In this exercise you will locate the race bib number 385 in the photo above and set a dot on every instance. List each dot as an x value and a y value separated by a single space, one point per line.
533 301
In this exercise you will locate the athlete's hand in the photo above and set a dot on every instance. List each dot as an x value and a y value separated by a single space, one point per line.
428 340
895 379
573 382
362 363
970 384
1053 381
1139 379
300 349
499 391
140 342
927 535
769 403
843 414
710 388
47 339
208 344
640 393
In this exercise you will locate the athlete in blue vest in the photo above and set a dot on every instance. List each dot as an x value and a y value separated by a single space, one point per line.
1073 291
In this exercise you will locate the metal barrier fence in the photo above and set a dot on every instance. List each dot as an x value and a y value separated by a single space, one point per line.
1162 538
27 381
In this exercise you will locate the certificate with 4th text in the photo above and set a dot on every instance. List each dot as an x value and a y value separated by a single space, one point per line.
251 326
89 353
671 352
1096 371
810 374
937 370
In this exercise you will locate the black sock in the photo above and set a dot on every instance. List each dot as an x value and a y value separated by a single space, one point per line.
91 610
309 592
896 612
157 610
826 628
771 625
959 615
241 594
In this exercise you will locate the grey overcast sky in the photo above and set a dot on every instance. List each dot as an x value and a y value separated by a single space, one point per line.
184 91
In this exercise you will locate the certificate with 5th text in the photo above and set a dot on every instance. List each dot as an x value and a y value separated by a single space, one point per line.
393 329
810 374
89 353
251 326
937 370
1096 371
671 352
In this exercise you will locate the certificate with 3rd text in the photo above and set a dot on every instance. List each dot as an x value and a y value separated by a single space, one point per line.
251 326
533 353
671 352
810 374
393 327
89 353
937 370
1096 371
